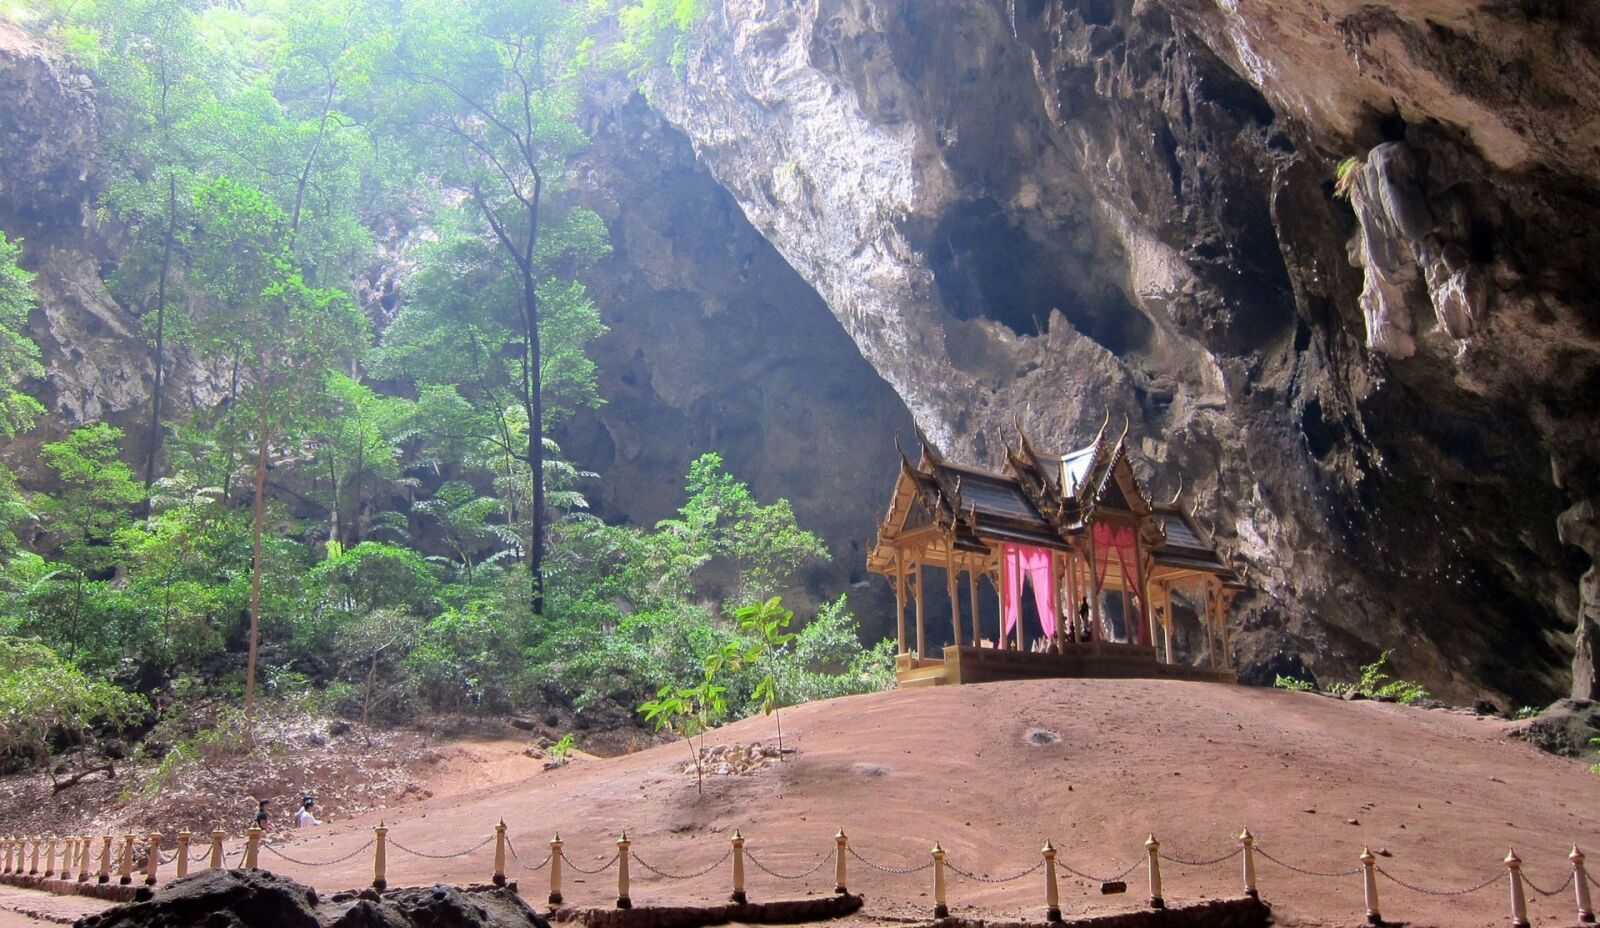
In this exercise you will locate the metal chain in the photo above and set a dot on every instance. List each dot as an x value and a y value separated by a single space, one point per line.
319 863
684 876
1202 863
1554 892
799 876
196 858
1493 878
167 858
1305 870
995 879
603 867
524 864
896 871
401 847
1101 879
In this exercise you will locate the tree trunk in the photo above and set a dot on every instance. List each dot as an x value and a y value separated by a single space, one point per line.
153 442
534 400
255 567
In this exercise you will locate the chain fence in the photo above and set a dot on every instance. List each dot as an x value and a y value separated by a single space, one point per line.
892 871
450 856
995 879
318 863
1306 871
683 876
784 876
524 864
1101 879
1553 892
1211 861
601 869
1493 878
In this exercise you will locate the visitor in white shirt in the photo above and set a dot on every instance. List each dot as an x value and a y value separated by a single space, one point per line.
303 816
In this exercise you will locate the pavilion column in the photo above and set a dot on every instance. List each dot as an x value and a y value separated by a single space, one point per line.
1225 606
1000 611
1210 598
955 601
922 628
1069 589
1055 600
972 603
900 600
1021 634
1094 591
1146 614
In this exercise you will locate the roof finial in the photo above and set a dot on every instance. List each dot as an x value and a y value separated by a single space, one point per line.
1178 492
1125 424
1100 435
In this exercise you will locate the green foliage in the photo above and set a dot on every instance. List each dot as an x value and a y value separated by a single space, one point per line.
1293 683
562 749
1595 742
1525 712
1344 177
19 356
1375 683
40 692
659 33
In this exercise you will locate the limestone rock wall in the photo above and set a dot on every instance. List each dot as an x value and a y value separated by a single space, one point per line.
1046 209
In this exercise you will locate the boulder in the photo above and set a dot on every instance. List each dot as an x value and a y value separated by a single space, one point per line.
252 898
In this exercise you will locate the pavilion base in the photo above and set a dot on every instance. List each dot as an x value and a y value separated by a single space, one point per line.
966 664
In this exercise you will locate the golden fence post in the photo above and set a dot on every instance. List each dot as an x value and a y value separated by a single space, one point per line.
1153 848
555 869
252 846
1369 886
1519 902
69 857
738 869
380 856
183 854
50 857
217 834
6 842
1581 881
840 849
85 848
33 868
125 871
1052 895
623 900
154 860
500 854
105 859
940 910
1248 842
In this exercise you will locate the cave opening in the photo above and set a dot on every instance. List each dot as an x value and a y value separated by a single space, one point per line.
986 265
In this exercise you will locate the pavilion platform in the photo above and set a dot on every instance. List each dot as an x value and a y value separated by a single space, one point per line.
967 664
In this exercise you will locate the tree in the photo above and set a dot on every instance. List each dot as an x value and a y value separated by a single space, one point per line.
485 91
19 356
40 691
765 626
283 335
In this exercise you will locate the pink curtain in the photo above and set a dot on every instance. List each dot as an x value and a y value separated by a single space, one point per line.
1019 562
1119 539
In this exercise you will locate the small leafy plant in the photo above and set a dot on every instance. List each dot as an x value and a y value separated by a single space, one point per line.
1595 769
1344 177
1294 683
561 751
688 712
1526 712
764 625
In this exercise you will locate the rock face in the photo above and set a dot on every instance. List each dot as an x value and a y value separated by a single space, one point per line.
716 344
97 362
1044 209
258 899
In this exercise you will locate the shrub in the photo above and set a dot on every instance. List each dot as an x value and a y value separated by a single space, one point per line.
1292 683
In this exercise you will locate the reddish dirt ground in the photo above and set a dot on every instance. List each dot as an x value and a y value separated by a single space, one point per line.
1439 794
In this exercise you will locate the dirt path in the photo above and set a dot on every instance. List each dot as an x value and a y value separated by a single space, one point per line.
991 771
25 908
